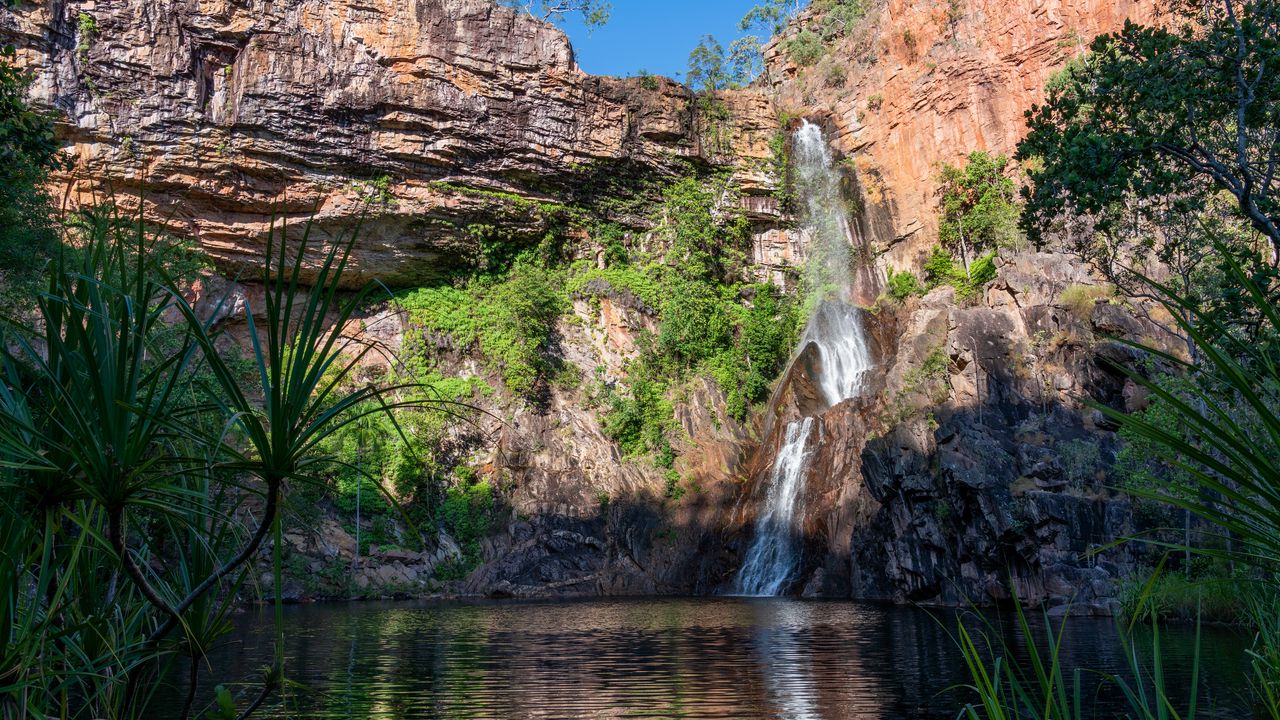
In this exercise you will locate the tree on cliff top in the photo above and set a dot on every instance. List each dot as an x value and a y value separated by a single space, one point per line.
594 12
1158 112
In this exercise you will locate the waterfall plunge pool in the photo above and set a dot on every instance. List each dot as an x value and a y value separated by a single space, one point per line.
740 659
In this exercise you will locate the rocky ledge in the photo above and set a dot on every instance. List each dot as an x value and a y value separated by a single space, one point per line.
406 119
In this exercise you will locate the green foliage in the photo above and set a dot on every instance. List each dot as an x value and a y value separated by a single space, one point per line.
88 30
904 284
647 80
710 69
832 18
1080 459
510 320
594 13
131 442
1143 467
780 167
691 279
700 245
28 152
1211 437
1205 591
941 269
806 48
744 61
407 459
982 271
1042 687
674 490
375 191
928 384
769 17
695 323
706 66
835 75
837 18
467 514
642 285
642 419
1162 112
763 336
709 321
1080 300
979 211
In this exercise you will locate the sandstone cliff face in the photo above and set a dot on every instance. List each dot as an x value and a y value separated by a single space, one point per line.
429 117
222 114
925 82
977 462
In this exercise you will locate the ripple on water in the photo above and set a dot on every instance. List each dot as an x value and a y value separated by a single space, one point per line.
662 658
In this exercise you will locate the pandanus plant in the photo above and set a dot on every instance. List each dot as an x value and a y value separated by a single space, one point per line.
142 469
1226 441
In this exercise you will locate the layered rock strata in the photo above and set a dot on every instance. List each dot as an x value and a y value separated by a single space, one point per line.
409 120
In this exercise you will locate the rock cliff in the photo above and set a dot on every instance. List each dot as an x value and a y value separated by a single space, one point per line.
220 115
918 83
979 461
424 122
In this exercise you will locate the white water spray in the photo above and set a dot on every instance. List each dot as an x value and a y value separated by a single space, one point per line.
775 552
835 328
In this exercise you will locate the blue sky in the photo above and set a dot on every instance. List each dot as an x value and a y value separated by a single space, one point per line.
654 35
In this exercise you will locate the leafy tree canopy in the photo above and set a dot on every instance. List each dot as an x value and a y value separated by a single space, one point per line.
707 70
1164 112
979 211
594 12
711 69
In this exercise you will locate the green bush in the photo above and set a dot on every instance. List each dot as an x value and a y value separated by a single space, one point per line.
941 269
806 48
641 420
674 490
903 285
642 283
836 18
710 319
467 511
510 320
28 152
1207 591
979 207
1081 299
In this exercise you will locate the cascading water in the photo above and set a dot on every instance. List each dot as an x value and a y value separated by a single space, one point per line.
835 328
775 552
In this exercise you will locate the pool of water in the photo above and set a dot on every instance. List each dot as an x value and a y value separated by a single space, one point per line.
663 658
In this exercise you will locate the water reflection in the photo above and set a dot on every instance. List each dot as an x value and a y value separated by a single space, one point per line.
704 658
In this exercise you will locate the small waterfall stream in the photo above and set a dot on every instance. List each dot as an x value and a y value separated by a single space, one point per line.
775 551
835 328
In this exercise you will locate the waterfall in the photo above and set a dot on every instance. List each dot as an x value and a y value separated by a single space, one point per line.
776 550
835 328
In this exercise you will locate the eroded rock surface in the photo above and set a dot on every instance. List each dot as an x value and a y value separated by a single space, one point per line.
918 84
979 462
427 121
222 114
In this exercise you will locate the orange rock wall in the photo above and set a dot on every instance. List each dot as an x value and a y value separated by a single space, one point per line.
926 82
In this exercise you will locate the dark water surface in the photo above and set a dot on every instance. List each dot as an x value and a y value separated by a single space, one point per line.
663 658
